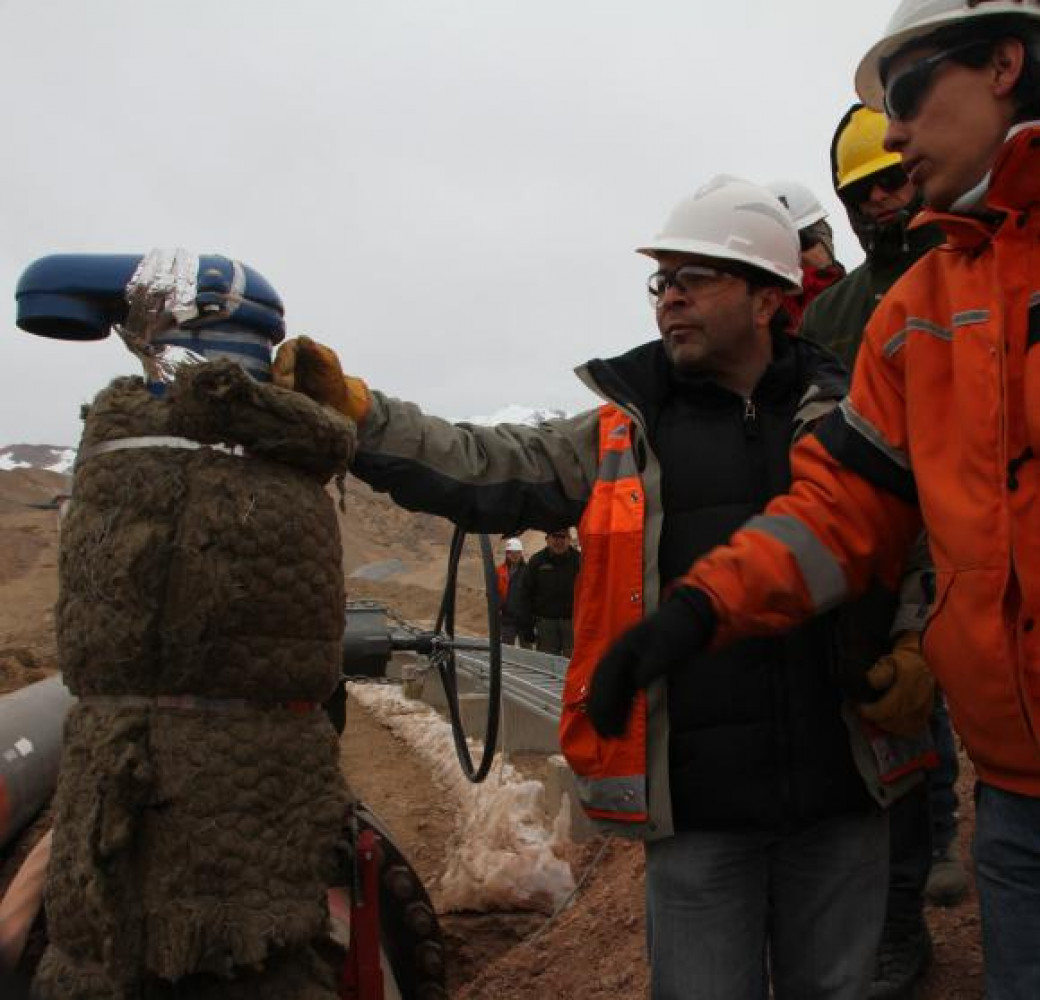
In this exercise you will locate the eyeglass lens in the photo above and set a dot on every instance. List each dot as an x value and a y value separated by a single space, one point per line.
690 279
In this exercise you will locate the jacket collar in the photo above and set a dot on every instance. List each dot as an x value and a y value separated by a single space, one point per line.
640 380
1013 187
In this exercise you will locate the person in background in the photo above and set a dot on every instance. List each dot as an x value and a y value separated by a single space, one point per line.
509 572
545 597
881 201
820 268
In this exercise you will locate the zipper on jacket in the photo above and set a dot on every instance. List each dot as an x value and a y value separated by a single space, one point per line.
750 418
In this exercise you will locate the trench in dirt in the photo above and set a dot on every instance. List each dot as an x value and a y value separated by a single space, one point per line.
397 786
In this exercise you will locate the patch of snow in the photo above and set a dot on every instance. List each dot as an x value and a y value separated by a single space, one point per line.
64 459
9 462
514 413
504 857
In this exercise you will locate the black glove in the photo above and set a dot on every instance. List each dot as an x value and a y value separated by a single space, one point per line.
674 634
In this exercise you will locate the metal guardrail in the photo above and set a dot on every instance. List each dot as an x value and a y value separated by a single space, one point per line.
530 679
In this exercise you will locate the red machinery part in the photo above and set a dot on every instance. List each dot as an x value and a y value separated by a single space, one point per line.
362 970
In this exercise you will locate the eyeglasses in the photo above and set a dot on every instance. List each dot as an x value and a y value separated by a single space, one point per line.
890 180
689 279
905 91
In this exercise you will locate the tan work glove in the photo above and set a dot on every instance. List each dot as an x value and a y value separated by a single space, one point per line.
306 366
908 686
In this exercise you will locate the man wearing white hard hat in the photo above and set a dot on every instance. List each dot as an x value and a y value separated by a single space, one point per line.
749 776
820 268
942 426
508 575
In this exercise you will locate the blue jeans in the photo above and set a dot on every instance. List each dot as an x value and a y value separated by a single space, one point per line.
813 901
1007 875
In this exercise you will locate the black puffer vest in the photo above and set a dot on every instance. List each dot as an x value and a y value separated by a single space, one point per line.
757 739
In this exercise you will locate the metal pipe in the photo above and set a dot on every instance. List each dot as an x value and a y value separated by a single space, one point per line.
31 724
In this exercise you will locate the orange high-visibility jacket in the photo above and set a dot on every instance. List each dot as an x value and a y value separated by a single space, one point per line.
942 422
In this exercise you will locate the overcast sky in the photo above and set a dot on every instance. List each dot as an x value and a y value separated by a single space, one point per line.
448 192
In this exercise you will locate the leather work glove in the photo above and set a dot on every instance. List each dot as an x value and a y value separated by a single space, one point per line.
673 635
908 689
306 366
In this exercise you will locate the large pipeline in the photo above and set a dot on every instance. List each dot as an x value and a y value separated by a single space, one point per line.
31 723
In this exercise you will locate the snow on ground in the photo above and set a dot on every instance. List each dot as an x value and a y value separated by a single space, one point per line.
505 857
514 413
64 459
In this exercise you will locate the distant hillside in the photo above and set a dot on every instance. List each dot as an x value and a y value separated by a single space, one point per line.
49 457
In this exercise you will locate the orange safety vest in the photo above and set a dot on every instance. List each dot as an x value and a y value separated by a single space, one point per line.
503 583
611 773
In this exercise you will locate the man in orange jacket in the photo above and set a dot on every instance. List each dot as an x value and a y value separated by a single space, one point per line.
942 424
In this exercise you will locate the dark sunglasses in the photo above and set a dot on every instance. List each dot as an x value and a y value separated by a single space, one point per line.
890 180
905 91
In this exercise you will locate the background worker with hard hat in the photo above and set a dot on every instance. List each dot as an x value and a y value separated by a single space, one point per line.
508 575
762 834
545 594
881 201
820 268
942 424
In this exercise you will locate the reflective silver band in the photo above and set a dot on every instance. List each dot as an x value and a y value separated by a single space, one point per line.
823 574
867 430
617 465
916 325
970 316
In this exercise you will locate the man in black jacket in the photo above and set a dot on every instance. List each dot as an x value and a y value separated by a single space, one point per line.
747 775
881 201
545 594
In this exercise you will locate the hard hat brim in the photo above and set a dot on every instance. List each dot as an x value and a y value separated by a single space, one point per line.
875 166
868 73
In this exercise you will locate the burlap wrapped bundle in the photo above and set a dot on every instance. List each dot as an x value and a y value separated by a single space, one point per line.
200 572
200 618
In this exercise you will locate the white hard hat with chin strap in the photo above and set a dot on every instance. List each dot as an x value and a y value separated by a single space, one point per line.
730 219
917 19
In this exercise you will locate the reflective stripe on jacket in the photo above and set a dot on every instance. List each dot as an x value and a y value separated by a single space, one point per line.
611 774
944 416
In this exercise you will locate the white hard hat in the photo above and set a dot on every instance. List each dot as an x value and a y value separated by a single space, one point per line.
732 219
514 545
915 19
804 206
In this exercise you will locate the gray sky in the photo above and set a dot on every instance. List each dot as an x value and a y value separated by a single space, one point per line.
445 191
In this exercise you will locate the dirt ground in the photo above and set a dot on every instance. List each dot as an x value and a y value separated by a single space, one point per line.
605 922
594 948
